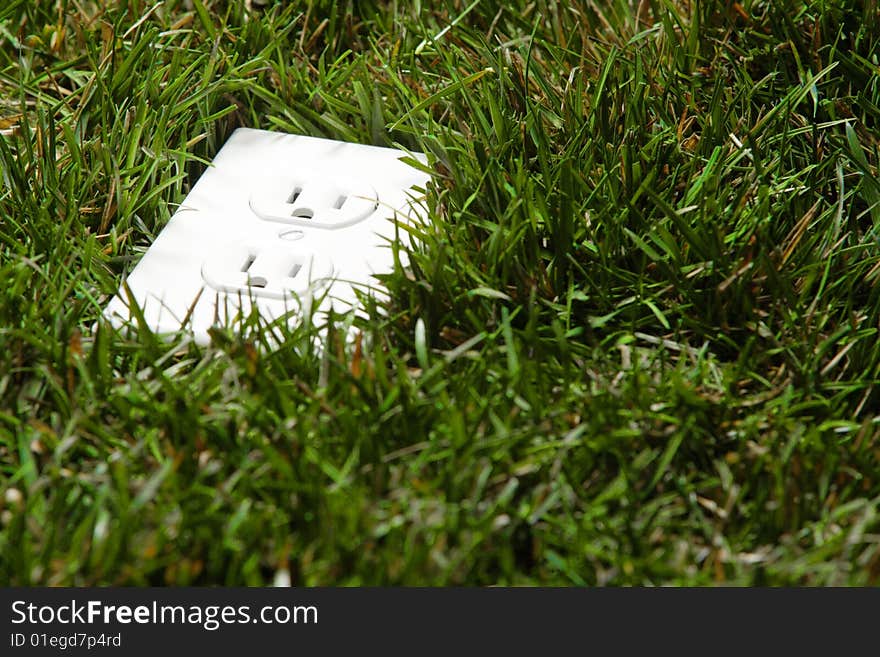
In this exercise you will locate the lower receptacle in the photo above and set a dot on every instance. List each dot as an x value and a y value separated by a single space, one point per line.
267 270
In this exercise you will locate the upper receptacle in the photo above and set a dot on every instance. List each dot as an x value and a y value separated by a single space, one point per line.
326 202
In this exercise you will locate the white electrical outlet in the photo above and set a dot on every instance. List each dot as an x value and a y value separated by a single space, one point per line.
275 221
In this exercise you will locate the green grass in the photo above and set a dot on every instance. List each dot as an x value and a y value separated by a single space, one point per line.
637 342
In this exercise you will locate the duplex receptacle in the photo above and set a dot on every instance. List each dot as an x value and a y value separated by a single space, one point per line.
275 221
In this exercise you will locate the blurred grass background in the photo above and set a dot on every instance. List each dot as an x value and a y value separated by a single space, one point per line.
637 342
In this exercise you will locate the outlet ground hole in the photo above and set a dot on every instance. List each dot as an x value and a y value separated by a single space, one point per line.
257 281
304 213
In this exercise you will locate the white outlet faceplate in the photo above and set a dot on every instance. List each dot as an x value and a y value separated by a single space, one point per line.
275 221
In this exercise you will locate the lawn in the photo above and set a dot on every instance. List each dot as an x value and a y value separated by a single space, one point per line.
637 341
